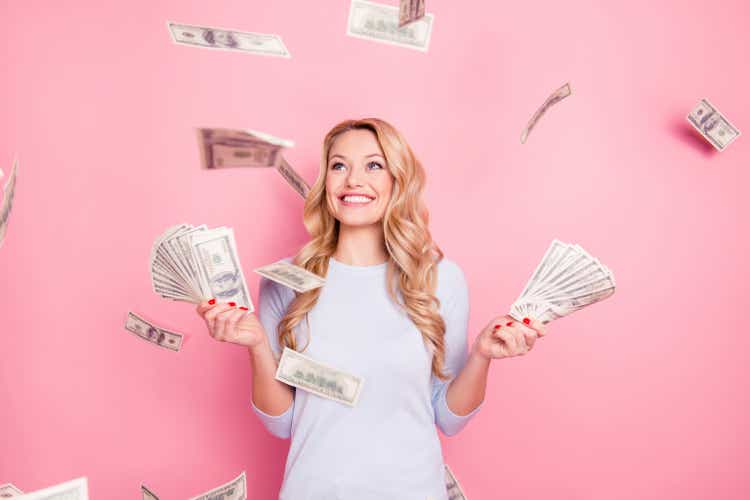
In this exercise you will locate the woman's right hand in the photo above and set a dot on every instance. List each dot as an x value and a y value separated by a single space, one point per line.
228 323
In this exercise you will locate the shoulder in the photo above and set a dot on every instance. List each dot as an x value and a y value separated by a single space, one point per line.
452 285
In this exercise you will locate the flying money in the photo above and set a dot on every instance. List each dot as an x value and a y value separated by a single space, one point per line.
293 178
295 277
557 96
77 489
9 192
7 490
221 148
380 23
410 11
451 484
235 489
152 333
219 38
712 125
307 374
194 264
148 494
565 281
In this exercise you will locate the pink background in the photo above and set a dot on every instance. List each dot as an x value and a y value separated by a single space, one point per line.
641 396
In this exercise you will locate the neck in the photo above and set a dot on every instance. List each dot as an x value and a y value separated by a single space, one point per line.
361 245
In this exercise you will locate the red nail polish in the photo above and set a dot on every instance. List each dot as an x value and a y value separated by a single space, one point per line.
244 308
509 323
526 321
496 327
212 301
232 304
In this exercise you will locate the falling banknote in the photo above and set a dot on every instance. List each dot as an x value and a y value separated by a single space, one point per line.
557 96
565 281
77 489
410 11
224 39
378 22
221 148
8 193
451 484
235 489
293 178
288 274
7 490
194 264
712 125
147 493
307 374
152 333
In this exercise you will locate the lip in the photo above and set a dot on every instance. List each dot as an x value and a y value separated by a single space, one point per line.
354 204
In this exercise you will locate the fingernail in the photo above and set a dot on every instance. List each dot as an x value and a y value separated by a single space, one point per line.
232 304
496 327
212 301
509 323
244 308
526 321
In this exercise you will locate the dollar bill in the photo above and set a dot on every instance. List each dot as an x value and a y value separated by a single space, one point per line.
557 96
235 489
713 125
380 23
77 489
307 374
7 490
410 11
225 39
451 484
221 148
9 192
293 178
152 333
295 277
219 267
147 493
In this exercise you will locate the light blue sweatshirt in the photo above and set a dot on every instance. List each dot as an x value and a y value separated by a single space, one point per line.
386 446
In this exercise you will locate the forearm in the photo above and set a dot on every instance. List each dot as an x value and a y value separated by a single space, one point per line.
269 395
466 391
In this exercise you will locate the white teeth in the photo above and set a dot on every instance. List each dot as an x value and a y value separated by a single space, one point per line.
357 199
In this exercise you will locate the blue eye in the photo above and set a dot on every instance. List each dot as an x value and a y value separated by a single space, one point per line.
375 163
335 165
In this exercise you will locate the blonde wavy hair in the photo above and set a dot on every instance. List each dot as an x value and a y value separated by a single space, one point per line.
413 256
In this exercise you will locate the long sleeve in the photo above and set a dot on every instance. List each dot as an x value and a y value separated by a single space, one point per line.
455 311
273 300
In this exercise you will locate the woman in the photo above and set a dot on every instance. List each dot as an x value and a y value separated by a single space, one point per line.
393 311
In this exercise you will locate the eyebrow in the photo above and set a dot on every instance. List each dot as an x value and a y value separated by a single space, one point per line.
345 158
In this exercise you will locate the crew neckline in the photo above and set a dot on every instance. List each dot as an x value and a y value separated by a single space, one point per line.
374 268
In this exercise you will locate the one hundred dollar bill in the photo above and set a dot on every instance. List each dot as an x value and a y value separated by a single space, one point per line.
410 11
713 125
219 267
235 489
307 374
9 192
152 333
295 277
77 489
221 148
380 23
293 178
7 490
147 493
451 484
556 96
225 39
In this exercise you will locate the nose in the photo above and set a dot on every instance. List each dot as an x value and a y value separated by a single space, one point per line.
353 178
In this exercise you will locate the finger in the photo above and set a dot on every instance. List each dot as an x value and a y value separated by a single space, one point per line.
521 344
220 323
508 340
211 314
204 306
536 325
232 320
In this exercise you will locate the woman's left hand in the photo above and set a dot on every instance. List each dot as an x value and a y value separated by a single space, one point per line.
505 337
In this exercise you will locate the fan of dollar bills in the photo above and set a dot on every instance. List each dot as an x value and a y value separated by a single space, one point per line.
194 264
566 280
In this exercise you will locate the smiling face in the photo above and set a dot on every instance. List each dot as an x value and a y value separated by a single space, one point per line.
358 182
